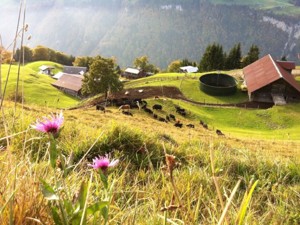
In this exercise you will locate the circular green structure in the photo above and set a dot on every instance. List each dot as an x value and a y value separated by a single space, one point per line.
218 84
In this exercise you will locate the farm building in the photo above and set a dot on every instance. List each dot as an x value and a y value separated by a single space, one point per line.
189 69
268 80
74 70
132 73
69 83
46 69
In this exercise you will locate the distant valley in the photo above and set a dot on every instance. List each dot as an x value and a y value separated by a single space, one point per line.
162 30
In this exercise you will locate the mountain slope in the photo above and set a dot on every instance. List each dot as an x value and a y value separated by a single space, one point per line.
164 32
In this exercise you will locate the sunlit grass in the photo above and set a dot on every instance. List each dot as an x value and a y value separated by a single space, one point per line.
36 88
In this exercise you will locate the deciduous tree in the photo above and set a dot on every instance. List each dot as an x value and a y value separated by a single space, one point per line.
101 78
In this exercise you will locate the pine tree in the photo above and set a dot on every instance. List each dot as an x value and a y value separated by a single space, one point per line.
251 56
233 60
213 58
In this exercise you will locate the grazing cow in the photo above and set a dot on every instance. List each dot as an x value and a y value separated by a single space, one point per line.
147 110
167 118
157 107
162 119
178 124
172 117
183 113
125 107
155 116
127 113
204 125
190 125
219 132
100 107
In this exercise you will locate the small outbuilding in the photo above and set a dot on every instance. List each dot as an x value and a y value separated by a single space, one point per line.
133 73
46 69
268 80
189 69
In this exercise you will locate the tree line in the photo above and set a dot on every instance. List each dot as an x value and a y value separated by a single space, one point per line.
214 58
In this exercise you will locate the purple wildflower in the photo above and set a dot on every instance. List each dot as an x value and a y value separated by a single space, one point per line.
103 162
50 125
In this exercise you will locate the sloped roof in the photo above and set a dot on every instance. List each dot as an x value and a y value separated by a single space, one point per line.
58 75
287 65
189 69
44 67
265 71
74 70
71 82
132 70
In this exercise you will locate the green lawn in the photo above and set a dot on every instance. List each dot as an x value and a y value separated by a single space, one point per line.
36 88
189 86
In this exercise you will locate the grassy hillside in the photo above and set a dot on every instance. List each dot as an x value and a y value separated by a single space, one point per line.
139 188
36 88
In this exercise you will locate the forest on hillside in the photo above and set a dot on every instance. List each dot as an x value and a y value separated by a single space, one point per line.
129 29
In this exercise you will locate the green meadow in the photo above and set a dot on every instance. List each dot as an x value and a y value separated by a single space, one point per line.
36 88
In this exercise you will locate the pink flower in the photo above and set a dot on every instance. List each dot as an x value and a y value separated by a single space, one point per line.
103 162
50 125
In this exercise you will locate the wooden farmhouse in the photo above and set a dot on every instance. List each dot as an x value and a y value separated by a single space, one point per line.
69 83
132 73
268 80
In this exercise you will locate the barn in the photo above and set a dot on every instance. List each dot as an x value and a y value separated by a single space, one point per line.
268 80
70 84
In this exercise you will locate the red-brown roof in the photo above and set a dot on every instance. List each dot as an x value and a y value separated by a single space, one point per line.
287 65
265 71
71 82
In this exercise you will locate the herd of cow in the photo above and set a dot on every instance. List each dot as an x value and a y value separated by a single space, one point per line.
142 105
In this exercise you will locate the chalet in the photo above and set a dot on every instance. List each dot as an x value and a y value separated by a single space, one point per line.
69 83
46 69
74 70
189 69
268 80
132 73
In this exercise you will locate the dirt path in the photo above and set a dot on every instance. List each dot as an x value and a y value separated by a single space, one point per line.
173 93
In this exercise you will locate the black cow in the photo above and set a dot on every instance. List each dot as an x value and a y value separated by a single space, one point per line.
172 117
201 122
100 107
147 110
219 132
204 125
162 119
157 107
167 118
190 125
178 124
155 116
127 113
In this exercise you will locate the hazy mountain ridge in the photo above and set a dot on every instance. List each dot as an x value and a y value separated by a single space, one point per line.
163 32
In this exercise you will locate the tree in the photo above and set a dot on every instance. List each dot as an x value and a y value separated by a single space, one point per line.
83 61
174 66
101 78
233 60
213 58
251 56
27 54
41 53
143 64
